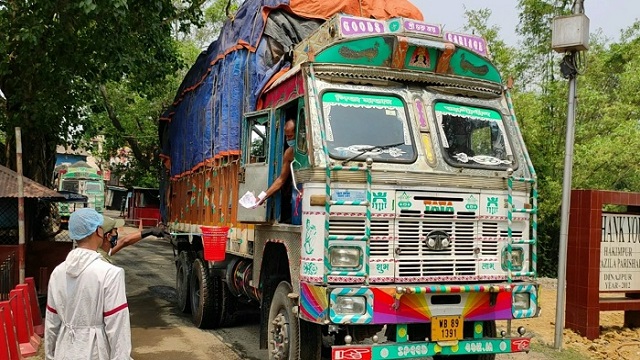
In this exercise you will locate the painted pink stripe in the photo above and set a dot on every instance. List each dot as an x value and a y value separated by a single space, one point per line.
119 308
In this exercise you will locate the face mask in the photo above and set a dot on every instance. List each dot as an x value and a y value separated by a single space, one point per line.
113 240
291 142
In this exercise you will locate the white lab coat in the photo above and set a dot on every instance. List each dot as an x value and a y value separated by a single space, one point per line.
87 315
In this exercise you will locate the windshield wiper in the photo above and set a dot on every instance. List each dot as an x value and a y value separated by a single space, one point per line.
371 148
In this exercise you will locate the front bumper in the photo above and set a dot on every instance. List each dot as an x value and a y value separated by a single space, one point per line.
418 350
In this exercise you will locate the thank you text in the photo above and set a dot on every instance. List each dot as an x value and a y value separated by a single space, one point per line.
620 252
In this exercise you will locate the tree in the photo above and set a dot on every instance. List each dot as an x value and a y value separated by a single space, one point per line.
128 115
58 55
606 118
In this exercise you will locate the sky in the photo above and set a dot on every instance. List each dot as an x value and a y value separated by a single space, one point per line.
609 15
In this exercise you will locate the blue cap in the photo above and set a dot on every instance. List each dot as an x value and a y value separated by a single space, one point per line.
83 222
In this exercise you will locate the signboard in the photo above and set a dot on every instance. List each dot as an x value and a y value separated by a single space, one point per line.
475 43
620 252
350 26
421 28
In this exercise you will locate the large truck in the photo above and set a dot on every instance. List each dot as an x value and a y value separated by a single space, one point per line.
407 228
79 178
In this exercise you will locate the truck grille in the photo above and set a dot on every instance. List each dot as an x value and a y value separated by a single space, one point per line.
403 238
415 259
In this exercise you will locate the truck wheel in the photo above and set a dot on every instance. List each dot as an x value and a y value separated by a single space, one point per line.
228 303
203 306
282 328
183 273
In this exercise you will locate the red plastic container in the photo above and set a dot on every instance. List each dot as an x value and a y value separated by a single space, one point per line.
214 241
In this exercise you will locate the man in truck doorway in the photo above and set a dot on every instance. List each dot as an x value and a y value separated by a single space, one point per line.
283 182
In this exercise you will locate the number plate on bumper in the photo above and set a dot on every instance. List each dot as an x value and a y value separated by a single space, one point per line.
446 328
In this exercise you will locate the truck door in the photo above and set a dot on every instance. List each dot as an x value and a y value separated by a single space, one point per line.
254 175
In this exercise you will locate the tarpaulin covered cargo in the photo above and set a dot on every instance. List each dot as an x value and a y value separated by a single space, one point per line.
203 123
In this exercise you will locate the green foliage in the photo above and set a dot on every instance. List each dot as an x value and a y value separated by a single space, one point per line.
58 54
216 12
607 118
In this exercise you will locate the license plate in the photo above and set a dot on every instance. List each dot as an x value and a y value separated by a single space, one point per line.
446 328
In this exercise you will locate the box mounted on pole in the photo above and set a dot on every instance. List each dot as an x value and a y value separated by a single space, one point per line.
570 33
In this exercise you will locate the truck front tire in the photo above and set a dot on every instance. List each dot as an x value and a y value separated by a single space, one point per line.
282 328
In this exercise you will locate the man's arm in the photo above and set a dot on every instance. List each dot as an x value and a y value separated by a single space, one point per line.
125 241
133 238
285 173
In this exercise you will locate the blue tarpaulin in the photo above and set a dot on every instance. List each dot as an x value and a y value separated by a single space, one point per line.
226 80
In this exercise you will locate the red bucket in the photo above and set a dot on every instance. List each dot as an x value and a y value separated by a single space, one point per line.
214 241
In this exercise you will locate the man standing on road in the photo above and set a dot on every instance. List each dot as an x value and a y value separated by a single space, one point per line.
110 227
87 312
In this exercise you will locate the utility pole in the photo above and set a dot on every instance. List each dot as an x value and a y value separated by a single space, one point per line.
570 35
21 234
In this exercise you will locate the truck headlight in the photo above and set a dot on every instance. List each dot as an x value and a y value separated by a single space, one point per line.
345 257
517 259
350 305
522 301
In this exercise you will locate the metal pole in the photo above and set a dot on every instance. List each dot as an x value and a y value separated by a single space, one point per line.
566 200
21 237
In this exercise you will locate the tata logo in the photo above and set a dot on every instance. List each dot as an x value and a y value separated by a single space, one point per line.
438 240
359 353
438 206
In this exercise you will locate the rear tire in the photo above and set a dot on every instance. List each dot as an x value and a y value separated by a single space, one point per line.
228 303
183 275
203 307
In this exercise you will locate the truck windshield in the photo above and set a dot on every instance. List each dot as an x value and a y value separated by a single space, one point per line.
93 187
473 137
357 122
70 185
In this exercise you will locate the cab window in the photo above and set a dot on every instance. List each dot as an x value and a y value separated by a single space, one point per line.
257 140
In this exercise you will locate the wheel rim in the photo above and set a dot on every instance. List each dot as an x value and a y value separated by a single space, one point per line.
280 336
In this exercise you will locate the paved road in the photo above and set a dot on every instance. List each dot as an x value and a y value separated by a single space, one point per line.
159 331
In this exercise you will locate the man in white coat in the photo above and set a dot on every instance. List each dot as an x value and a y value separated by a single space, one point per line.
87 315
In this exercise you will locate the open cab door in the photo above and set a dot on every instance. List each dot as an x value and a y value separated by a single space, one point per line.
254 175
